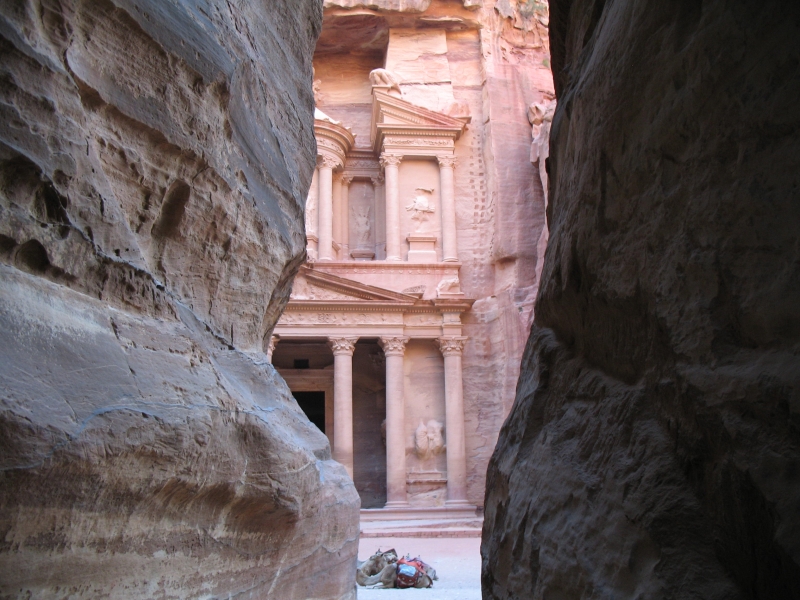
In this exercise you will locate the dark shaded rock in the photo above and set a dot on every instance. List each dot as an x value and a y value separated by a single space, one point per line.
154 161
654 447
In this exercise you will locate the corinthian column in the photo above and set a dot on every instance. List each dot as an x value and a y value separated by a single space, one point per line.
451 348
390 164
394 348
343 348
325 232
449 243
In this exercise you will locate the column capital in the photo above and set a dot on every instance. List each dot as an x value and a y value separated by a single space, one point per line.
394 345
273 341
448 162
377 180
330 162
344 345
452 345
347 179
390 159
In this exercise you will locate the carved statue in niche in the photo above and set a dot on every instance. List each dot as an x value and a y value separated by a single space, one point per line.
362 225
428 439
386 79
421 206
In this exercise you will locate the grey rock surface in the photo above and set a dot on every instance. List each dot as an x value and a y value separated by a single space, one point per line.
653 450
154 161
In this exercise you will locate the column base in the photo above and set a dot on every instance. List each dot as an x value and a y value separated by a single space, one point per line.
459 504
396 504
450 259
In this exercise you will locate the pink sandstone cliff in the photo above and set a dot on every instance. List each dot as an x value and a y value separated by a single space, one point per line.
154 161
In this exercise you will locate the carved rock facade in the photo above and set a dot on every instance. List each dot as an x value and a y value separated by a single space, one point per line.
426 211
653 450
154 161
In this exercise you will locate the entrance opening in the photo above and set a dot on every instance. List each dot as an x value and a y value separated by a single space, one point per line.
313 404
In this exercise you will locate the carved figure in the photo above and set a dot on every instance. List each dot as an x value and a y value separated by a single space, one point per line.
451 285
387 79
421 206
316 86
362 225
540 117
457 108
428 439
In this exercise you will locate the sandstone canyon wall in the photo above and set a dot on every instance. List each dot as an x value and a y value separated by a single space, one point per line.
489 59
154 161
653 450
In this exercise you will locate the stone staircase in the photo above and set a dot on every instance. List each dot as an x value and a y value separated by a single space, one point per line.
420 523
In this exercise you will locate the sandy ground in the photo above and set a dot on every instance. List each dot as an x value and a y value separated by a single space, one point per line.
457 562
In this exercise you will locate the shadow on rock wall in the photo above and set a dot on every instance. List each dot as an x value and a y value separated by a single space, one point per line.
654 447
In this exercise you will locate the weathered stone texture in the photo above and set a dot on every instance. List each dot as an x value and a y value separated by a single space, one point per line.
154 162
653 450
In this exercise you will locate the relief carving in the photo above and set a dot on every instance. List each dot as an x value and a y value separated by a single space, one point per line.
450 285
421 206
428 439
386 79
363 226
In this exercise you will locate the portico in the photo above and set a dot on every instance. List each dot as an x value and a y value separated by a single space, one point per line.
410 331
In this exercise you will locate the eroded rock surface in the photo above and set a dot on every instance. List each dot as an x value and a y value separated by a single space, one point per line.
154 161
653 450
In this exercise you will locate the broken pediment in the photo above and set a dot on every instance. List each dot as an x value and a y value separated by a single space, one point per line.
397 122
311 285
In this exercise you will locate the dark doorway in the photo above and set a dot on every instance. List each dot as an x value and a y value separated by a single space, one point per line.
313 404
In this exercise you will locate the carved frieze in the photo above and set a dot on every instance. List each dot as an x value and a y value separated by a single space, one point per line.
431 320
339 318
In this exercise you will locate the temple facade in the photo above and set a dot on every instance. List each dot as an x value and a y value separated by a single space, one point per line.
402 325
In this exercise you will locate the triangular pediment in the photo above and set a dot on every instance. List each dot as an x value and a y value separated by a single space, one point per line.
393 114
311 285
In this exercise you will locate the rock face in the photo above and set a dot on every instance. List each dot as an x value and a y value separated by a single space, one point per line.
154 162
653 450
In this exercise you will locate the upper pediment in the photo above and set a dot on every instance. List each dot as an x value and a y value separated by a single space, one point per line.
394 116
310 285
